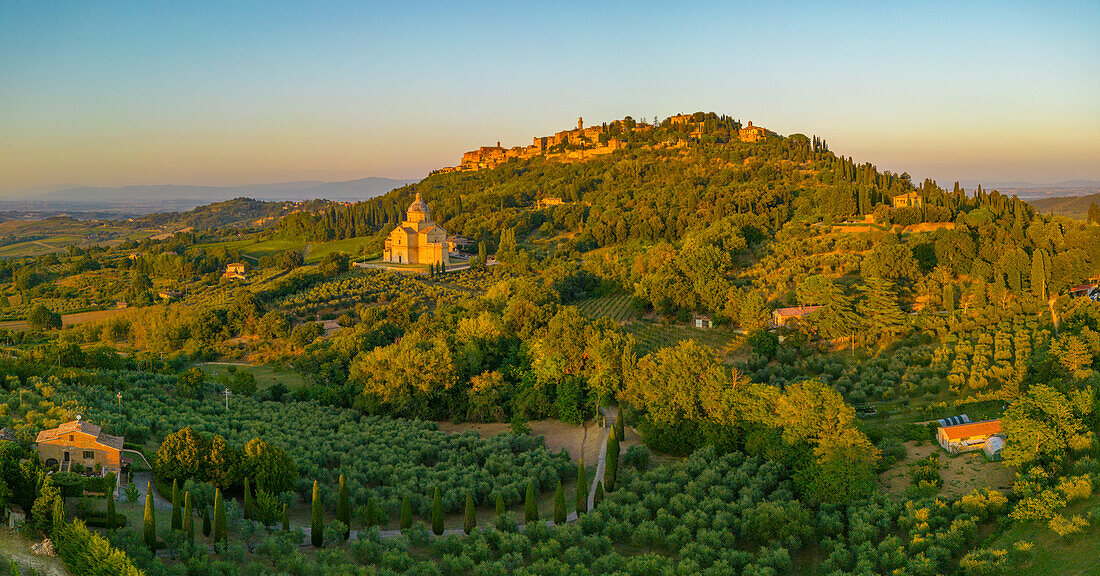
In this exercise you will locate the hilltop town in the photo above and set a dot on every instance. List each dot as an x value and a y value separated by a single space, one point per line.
581 143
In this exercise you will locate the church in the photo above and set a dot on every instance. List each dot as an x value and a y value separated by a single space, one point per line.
417 240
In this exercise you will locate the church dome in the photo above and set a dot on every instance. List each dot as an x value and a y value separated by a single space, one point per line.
418 205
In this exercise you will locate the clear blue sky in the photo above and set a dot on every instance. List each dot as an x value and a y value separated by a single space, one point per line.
114 93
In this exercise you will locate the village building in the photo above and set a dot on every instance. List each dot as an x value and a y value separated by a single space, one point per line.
790 317
418 240
968 437
702 321
752 133
548 202
236 271
458 244
170 294
908 200
1091 291
80 442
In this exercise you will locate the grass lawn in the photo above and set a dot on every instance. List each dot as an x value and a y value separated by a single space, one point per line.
1054 556
273 247
318 250
266 375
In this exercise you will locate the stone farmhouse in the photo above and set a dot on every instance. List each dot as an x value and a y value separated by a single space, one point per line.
236 271
80 442
791 316
907 200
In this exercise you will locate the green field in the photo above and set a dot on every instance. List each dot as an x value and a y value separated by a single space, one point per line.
318 250
616 307
1053 555
652 336
272 247
266 375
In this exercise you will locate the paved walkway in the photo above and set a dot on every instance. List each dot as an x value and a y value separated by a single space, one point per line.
141 480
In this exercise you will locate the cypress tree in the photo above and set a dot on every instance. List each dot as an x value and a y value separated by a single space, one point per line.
247 501
611 466
501 509
530 505
559 505
372 512
470 521
110 512
206 521
219 517
949 298
437 513
177 511
1039 275
582 488
149 525
620 425
317 527
597 495
406 513
343 508
188 518
286 519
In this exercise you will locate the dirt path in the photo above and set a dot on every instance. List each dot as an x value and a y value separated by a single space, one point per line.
19 548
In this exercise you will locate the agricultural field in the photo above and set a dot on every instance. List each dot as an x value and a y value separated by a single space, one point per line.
652 336
1053 555
272 248
353 246
380 456
266 375
618 307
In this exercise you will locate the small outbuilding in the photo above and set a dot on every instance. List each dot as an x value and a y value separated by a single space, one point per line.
967 437
791 316
993 447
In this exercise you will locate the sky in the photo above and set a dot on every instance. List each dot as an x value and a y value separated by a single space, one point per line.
223 93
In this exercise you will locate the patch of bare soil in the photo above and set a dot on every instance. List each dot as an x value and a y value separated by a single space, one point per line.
962 474
19 548
576 440
928 227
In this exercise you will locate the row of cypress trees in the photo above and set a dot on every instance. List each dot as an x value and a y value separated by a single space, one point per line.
183 516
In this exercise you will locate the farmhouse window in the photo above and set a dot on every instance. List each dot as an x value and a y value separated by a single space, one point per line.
88 454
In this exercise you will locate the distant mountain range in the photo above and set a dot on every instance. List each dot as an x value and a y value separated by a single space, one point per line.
147 199
1032 190
1071 206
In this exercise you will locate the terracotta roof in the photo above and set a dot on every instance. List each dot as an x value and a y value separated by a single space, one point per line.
1082 287
973 429
796 311
8 434
80 426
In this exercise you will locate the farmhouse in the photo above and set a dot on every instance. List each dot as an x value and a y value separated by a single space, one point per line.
418 240
80 442
752 133
236 271
1091 291
791 316
967 437
909 200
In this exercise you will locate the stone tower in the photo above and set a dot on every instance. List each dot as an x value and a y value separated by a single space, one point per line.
580 123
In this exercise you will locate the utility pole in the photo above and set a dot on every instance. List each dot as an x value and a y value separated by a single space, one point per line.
119 396
227 395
